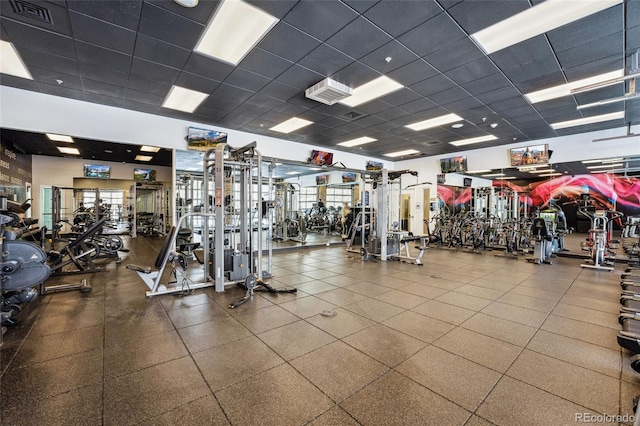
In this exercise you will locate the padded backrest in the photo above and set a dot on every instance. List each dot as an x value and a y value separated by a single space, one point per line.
163 255
540 227
93 229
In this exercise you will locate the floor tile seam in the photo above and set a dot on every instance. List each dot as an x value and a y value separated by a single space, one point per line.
443 302
18 404
520 306
472 295
557 358
578 339
594 309
555 394
586 322
380 362
335 405
463 357
111 377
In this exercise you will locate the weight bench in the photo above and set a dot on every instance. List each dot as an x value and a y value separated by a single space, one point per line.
80 253
404 245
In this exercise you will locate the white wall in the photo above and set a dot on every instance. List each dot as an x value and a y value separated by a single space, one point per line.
37 112
59 171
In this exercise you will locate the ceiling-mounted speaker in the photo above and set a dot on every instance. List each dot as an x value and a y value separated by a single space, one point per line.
328 91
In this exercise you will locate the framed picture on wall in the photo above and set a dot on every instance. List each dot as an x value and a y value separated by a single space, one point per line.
322 180
453 164
321 158
98 171
144 175
348 177
374 165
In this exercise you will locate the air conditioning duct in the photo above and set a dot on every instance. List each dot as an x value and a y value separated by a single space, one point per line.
328 91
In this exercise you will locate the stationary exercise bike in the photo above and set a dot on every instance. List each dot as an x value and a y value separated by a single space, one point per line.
599 244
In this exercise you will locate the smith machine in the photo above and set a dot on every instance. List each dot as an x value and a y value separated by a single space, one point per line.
231 252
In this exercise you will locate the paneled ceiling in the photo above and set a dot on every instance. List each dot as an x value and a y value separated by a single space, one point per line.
129 53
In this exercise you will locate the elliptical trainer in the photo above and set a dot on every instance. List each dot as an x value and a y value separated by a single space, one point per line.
599 242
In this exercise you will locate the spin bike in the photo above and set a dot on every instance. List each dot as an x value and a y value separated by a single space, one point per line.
599 243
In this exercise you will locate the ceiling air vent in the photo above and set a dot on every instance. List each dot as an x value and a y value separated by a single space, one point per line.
352 115
29 10
328 91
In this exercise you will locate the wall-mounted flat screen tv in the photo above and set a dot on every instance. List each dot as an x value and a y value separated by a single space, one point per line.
97 171
144 175
534 154
453 164
321 158
466 182
374 165
440 178
204 139
322 180
348 177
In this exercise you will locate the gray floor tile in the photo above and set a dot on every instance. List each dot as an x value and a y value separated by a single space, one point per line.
397 400
338 370
507 331
210 334
596 334
202 411
419 326
516 314
463 300
477 421
307 306
612 307
225 365
423 290
291 399
401 299
374 309
340 296
578 313
147 393
367 289
513 402
184 317
61 323
384 344
535 292
264 319
593 390
485 293
444 312
315 287
534 303
342 324
336 416
293 340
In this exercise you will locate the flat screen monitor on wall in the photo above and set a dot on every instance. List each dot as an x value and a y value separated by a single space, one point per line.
97 171
374 165
348 177
321 158
534 154
466 182
322 179
453 164
144 175
204 139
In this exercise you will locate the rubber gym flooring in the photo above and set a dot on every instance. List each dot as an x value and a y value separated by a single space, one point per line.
463 340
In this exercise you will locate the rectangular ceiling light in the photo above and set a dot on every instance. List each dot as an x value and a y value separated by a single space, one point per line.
542 171
402 153
550 174
565 89
11 63
292 173
291 125
147 148
182 99
358 141
59 138
606 166
143 158
434 122
609 160
478 171
493 175
374 89
234 30
67 150
506 177
537 20
588 120
469 141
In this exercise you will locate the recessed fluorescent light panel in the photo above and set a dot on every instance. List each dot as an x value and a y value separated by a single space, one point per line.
506 178
606 166
11 63
146 148
434 122
493 175
59 138
292 173
67 150
358 141
473 140
234 30
565 89
402 153
291 125
374 89
479 171
608 160
537 20
182 99
550 174
143 158
588 120
542 171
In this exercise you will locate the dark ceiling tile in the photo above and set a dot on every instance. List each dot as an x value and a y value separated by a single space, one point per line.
360 6
246 80
597 49
277 8
391 114
159 23
288 42
158 51
299 100
472 71
359 38
603 93
498 95
447 96
47 61
58 13
264 63
633 40
42 75
262 102
100 56
523 53
300 77
141 107
105 89
312 116
101 33
398 17
435 84
401 97
275 117
414 72
541 82
278 90
508 105
212 114
325 60
400 56
38 39
207 67
374 107
454 55
610 63
124 13
432 35
232 93
461 105
291 108
333 122
540 69
150 86
587 30
320 19
103 74
104 100
418 105
486 84
19 83
355 75
154 71
474 16
196 82
200 14
144 97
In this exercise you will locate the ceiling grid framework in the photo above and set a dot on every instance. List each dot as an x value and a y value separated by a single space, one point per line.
129 53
